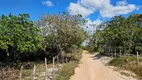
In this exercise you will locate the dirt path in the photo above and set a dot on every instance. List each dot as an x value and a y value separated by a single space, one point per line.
91 68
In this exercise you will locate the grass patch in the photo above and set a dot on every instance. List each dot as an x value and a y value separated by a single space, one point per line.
9 74
68 68
128 63
40 69
64 74
126 74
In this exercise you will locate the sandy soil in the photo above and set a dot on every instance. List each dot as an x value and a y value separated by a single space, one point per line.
91 68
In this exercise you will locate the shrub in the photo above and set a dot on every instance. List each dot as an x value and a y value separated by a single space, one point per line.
123 60
128 63
101 50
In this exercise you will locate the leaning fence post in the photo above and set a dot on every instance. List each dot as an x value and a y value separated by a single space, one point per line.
34 70
53 67
20 75
137 58
45 69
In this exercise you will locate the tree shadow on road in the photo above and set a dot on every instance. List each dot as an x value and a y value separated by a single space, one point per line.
96 56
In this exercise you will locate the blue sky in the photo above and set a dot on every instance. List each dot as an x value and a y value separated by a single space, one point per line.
95 11
36 7
33 7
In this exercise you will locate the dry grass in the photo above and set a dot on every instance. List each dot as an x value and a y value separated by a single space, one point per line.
130 65
9 74
68 69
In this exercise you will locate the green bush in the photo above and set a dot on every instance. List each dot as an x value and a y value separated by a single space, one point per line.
90 47
101 50
128 63
76 56
123 60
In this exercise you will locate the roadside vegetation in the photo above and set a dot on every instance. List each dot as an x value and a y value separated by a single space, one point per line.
68 69
119 33
24 42
130 65
121 38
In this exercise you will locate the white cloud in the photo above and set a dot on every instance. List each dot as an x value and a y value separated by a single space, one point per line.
106 9
90 26
122 7
77 8
95 4
48 3
122 3
117 10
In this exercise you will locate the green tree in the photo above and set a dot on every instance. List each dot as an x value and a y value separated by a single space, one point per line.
62 31
18 35
120 32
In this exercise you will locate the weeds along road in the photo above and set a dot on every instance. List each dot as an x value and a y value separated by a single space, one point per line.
91 68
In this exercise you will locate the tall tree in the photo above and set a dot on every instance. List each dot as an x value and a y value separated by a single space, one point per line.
121 32
18 35
62 31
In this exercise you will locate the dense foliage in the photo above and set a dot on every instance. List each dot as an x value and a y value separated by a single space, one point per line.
62 32
23 39
18 35
130 65
120 33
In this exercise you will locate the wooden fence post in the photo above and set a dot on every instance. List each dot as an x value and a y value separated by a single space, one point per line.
33 74
57 59
58 63
120 53
66 60
112 52
53 67
63 57
46 69
137 58
20 75
115 53
109 50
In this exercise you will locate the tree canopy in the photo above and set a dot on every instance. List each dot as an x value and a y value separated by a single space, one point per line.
62 31
21 37
120 32
18 34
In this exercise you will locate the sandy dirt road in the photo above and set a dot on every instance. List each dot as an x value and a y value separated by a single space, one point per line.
91 68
